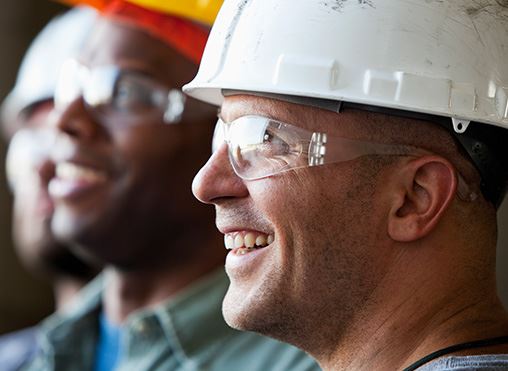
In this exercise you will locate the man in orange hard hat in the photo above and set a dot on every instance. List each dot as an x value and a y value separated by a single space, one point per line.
127 147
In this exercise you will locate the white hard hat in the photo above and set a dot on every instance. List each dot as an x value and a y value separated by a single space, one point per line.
61 39
443 58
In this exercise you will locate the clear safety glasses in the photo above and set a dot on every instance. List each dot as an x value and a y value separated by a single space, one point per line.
260 147
126 96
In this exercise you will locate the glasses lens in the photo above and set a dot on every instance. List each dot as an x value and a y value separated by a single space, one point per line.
123 96
68 87
99 88
218 135
260 147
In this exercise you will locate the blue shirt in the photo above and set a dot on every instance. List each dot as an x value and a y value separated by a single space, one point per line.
107 352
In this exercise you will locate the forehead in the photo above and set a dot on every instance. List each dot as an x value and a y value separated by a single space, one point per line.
114 42
306 117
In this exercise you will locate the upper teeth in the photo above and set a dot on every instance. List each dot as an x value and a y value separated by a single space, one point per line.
69 171
247 240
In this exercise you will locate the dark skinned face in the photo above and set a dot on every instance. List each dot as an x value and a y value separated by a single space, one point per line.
127 196
29 171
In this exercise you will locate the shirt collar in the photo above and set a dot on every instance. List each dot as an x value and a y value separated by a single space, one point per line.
191 320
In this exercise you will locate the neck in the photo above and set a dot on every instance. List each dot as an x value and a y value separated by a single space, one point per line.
402 323
129 291
397 339
65 289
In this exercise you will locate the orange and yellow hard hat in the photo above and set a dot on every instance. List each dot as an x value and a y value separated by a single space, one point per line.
202 11
184 25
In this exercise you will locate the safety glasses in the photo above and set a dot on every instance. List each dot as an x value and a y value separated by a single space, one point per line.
120 95
261 147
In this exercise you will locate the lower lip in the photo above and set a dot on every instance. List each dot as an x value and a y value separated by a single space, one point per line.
245 262
61 189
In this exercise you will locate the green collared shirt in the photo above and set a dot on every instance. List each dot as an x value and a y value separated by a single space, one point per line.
186 333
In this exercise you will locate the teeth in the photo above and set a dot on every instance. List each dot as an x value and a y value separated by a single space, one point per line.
261 240
70 171
238 241
229 242
247 242
250 240
270 239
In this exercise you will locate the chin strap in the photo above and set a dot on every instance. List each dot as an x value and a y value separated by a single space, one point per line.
456 348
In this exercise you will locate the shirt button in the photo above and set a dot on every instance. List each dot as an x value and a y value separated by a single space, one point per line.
141 326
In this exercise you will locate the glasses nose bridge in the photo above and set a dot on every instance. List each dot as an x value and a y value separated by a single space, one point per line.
72 84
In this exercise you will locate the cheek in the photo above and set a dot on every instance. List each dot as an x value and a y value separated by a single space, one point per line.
148 142
313 211
290 206
147 154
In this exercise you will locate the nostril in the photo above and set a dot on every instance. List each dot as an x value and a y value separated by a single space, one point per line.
75 121
73 129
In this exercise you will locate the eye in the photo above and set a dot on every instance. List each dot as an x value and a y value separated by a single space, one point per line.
274 144
130 95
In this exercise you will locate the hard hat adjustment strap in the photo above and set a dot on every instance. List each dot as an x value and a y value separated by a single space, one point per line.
460 126
493 175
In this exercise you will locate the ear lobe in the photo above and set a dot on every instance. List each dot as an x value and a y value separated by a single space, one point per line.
428 186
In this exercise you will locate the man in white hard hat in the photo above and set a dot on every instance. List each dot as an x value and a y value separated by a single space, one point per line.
25 120
361 154
127 148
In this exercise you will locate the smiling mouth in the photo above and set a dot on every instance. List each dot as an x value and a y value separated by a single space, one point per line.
241 243
73 180
72 172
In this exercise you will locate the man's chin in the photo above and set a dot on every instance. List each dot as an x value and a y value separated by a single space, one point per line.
73 228
240 313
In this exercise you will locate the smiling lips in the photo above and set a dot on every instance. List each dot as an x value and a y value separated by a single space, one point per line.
72 179
244 242
70 171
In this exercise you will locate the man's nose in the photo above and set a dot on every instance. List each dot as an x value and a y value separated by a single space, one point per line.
217 180
75 121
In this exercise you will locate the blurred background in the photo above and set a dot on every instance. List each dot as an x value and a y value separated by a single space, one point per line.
23 299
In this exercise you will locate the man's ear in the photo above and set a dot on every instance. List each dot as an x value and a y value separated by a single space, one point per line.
425 187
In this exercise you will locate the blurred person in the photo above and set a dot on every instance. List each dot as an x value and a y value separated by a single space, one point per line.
129 143
365 143
25 122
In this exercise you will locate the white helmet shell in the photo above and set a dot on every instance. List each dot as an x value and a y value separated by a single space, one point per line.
61 39
446 58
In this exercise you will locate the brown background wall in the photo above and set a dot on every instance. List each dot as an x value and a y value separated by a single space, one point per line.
23 299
